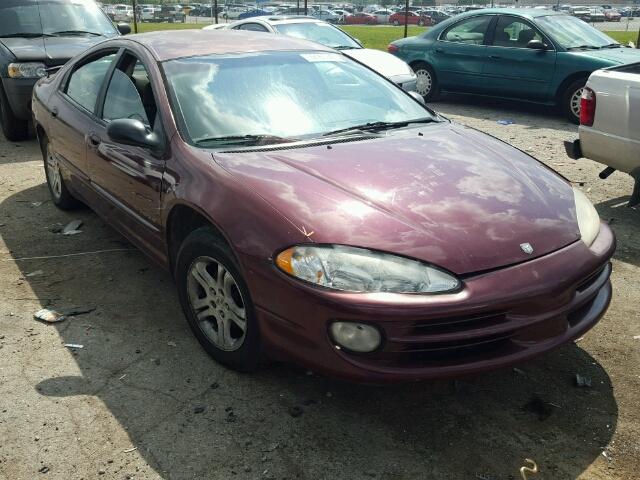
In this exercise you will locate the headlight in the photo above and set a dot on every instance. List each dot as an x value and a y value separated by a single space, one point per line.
27 70
360 270
588 219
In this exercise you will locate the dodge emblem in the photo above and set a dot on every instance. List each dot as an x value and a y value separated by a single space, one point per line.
526 248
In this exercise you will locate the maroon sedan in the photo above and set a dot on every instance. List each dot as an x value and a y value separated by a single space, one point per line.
412 18
310 209
360 18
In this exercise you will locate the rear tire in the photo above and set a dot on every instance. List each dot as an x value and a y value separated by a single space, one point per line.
216 301
427 82
571 100
13 128
60 196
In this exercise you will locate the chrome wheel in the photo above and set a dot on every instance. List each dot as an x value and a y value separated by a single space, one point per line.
53 175
574 102
424 82
217 303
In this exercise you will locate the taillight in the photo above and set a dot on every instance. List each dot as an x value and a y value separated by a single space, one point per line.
391 48
587 107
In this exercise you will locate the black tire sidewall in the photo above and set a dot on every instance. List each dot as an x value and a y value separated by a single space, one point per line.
566 99
204 242
13 128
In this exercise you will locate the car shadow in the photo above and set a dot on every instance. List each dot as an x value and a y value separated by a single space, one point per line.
532 115
188 417
625 222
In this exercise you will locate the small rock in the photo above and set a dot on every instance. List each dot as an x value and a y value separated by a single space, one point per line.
44 469
214 385
101 471
171 344
198 409
247 468
72 228
583 380
156 361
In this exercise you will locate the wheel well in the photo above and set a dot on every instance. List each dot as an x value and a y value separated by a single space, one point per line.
40 135
568 81
181 222
416 63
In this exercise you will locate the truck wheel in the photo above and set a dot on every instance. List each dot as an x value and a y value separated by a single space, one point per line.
14 129
571 100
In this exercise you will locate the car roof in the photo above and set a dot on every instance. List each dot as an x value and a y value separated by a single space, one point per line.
171 44
520 12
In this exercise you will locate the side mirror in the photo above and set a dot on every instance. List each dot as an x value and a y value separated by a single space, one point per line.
537 45
417 96
124 28
133 132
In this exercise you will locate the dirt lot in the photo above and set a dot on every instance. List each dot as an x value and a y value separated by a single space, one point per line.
141 400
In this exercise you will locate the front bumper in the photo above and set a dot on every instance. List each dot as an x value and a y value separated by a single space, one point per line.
498 319
18 92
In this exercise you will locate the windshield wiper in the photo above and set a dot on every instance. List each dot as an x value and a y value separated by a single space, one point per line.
244 139
612 45
345 47
25 35
75 32
378 126
591 47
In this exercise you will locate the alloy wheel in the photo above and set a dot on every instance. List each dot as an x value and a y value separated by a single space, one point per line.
217 303
53 175
574 102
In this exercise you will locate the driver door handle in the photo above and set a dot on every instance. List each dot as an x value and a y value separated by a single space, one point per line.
94 140
497 57
439 50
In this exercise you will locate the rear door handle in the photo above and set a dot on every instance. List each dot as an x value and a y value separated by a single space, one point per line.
439 50
93 139
496 57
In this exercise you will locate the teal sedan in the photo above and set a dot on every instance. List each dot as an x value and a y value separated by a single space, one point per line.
534 55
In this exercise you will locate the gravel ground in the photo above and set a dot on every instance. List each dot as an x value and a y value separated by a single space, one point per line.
141 400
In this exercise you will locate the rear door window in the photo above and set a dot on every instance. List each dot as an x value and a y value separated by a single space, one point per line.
472 31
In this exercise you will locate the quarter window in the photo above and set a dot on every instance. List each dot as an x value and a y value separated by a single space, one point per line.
254 27
85 82
130 94
471 31
513 32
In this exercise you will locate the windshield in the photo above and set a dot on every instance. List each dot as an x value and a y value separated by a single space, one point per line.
571 32
37 17
318 32
291 95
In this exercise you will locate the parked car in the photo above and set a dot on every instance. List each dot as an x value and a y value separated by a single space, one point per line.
171 13
148 14
326 34
436 16
534 55
382 16
413 18
341 14
609 131
122 13
583 13
256 12
327 15
596 14
612 15
360 18
307 206
36 36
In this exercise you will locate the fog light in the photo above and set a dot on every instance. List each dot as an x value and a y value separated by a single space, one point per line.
357 337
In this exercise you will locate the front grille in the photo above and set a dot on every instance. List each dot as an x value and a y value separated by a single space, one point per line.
459 323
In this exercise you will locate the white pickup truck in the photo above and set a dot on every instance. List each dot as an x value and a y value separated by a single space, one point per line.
610 123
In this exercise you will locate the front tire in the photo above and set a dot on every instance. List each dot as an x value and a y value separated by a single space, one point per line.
13 128
426 82
571 100
216 301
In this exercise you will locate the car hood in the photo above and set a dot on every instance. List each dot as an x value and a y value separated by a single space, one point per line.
452 196
50 50
382 62
613 55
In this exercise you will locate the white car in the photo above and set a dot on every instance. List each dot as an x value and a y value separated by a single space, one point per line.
326 15
382 15
122 13
609 119
148 14
322 32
